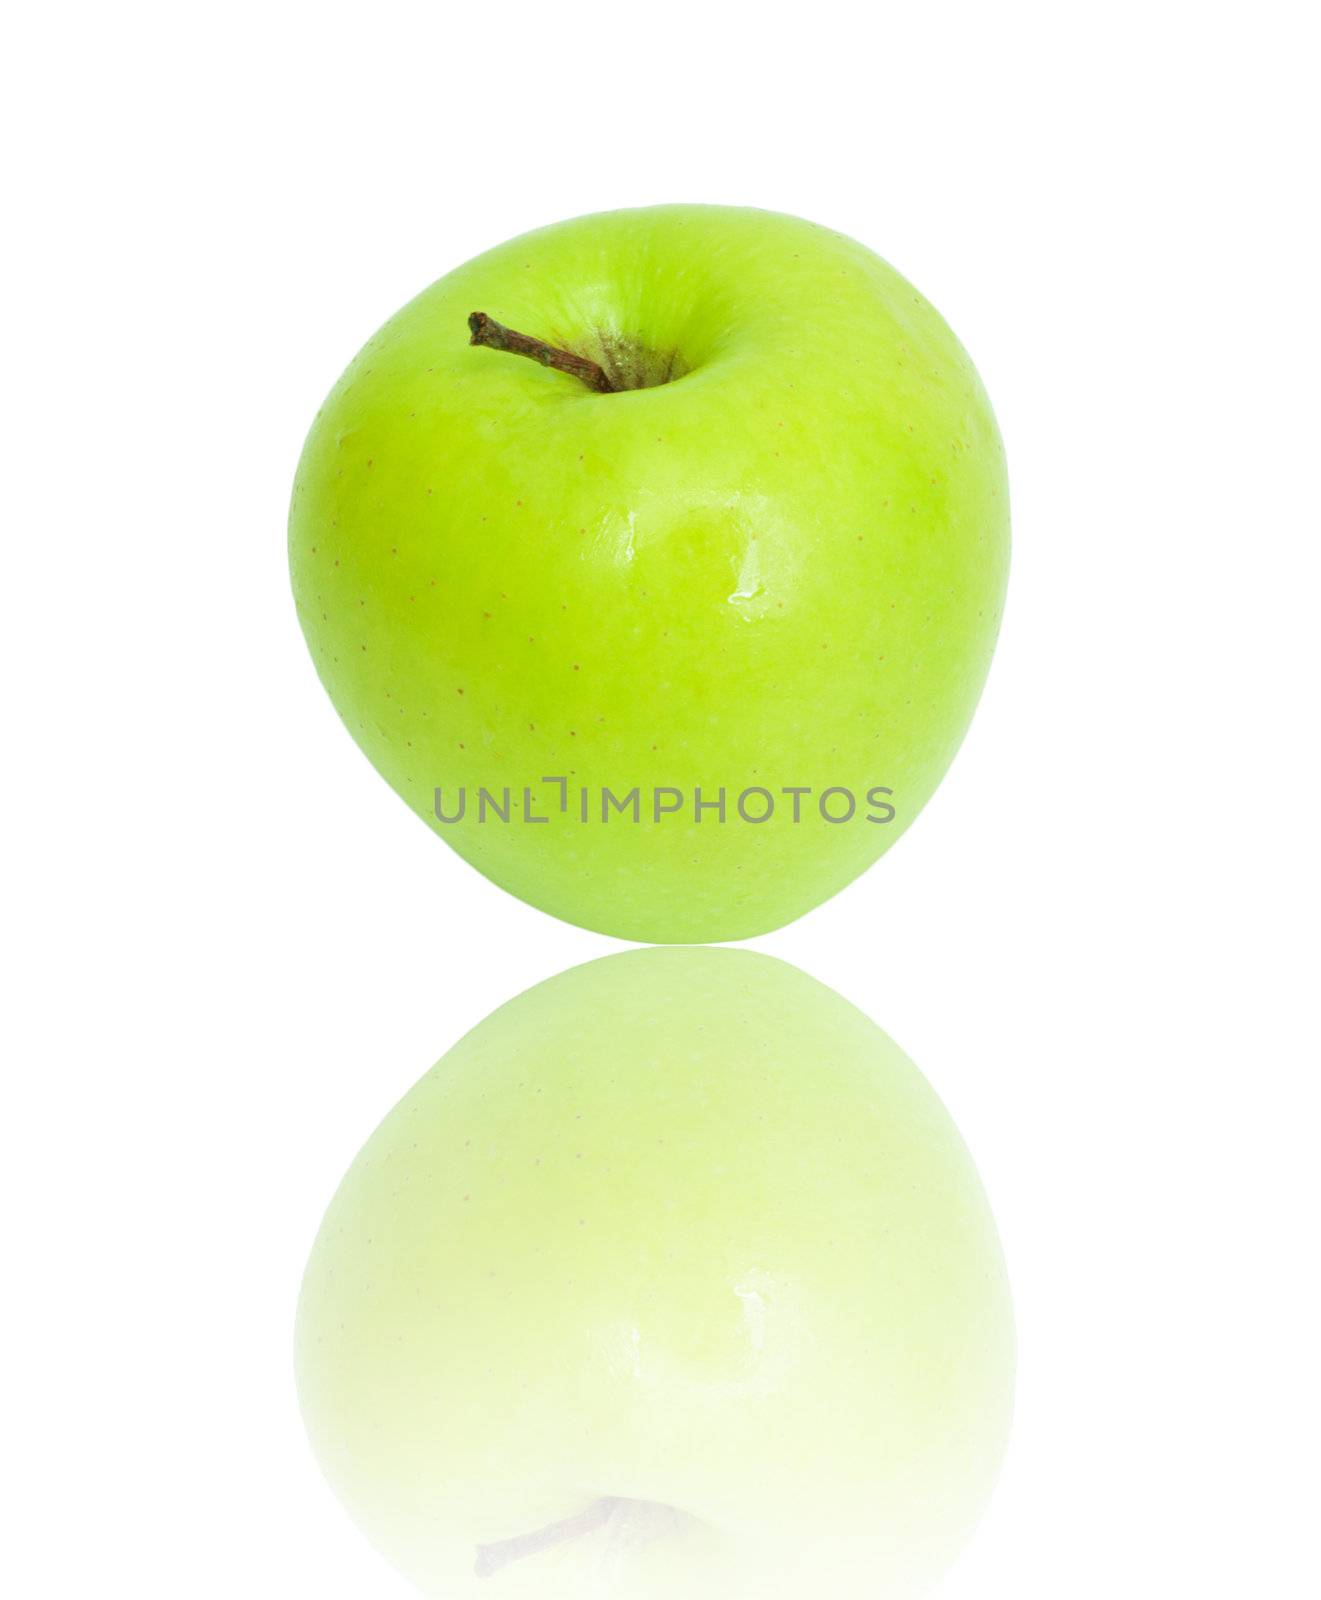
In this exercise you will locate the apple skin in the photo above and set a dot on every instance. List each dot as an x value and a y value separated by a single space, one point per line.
683 1233
785 567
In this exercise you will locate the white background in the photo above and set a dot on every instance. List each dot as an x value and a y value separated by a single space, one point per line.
233 948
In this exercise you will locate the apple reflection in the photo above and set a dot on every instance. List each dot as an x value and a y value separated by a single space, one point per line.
672 1277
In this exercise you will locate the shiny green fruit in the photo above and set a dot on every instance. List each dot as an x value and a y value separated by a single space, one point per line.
763 573
672 1278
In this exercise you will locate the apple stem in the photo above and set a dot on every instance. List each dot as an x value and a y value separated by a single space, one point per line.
491 1557
495 336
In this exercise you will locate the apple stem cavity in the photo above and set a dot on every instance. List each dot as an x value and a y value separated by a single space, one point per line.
495 336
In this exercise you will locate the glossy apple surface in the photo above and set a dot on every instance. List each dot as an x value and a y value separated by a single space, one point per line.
777 562
672 1278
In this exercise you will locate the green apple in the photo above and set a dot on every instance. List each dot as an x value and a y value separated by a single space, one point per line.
771 557
672 1278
